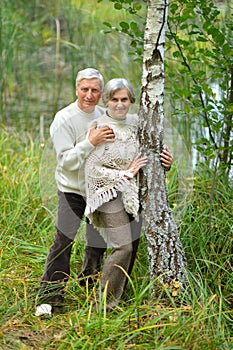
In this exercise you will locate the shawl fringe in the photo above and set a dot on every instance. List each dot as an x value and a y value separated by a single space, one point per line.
105 196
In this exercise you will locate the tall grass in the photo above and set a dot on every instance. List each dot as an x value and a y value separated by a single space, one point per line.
142 320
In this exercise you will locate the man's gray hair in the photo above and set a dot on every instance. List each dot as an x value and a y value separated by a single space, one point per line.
90 73
114 85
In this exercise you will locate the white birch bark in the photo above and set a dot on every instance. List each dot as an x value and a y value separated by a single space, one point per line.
166 255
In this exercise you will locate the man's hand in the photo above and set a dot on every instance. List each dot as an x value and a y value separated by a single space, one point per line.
100 135
166 158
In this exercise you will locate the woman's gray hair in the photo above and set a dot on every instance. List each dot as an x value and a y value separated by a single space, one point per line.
114 85
90 73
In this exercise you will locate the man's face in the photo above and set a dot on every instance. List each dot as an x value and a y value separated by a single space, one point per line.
88 92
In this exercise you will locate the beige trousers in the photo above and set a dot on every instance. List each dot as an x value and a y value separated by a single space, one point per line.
119 238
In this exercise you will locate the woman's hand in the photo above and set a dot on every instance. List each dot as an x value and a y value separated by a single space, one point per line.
137 164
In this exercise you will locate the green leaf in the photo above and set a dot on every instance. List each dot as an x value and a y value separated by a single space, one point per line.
139 51
173 8
207 25
202 140
124 25
176 54
134 26
227 49
220 39
184 26
133 43
216 35
118 6
202 39
107 24
131 10
137 6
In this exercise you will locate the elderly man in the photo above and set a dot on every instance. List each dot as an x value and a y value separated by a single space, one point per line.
74 140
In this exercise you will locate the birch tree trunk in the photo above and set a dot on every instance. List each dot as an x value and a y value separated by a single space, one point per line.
166 255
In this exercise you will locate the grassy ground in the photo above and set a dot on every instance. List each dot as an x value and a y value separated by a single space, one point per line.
142 320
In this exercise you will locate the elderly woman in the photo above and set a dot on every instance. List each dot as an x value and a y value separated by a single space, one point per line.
112 193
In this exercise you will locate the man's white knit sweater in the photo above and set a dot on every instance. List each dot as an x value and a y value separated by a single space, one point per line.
69 133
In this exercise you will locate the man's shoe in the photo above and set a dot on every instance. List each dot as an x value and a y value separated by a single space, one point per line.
43 310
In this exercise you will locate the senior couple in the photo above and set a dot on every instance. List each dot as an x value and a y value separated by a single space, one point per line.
98 161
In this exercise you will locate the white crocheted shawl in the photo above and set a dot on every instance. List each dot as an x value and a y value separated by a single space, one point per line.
106 167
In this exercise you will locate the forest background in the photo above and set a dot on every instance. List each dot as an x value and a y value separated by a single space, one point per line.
43 45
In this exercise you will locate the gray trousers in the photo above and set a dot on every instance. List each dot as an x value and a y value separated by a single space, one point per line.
57 268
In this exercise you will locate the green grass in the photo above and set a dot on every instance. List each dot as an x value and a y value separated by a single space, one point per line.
143 320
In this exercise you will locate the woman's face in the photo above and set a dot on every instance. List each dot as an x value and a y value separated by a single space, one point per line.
119 104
